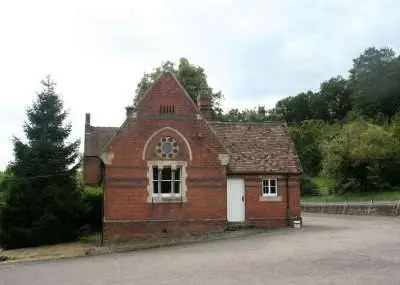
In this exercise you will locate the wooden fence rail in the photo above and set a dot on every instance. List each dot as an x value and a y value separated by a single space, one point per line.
380 208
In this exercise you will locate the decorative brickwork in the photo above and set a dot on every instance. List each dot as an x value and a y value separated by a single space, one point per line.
169 131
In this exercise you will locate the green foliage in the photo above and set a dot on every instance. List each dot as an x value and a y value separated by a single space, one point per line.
374 78
3 195
94 239
2 190
330 104
258 114
44 202
335 93
379 196
308 187
192 77
324 184
362 158
295 109
93 218
306 137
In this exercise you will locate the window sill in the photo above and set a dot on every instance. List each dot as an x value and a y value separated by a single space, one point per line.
270 198
174 199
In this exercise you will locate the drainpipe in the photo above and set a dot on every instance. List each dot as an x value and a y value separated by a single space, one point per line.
287 200
102 204
287 175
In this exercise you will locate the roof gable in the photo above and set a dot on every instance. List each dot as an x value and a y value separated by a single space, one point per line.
96 138
167 92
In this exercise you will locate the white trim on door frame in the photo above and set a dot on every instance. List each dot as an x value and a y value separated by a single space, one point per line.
235 198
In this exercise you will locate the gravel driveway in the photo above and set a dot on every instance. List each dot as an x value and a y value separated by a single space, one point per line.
327 250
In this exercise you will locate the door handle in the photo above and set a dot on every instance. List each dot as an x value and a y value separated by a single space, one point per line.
242 198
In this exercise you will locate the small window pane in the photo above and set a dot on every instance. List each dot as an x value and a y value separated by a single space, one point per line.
166 173
155 187
272 190
155 173
166 187
178 174
177 188
272 182
264 187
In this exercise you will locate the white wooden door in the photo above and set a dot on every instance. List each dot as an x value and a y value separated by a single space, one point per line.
235 200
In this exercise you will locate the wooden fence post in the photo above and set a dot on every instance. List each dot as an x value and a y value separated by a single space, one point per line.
398 207
369 207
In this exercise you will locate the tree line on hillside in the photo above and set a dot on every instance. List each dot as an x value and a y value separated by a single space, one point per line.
349 131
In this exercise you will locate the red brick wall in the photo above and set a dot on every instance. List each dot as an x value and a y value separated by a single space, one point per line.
124 230
294 192
126 178
271 213
127 210
91 170
165 92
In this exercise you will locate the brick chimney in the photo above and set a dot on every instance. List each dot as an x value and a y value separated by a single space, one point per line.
87 122
130 112
205 105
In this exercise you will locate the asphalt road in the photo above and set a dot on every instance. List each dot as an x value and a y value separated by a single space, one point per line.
327 250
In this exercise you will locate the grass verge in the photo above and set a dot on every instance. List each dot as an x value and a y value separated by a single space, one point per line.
384 196
91 245
324 184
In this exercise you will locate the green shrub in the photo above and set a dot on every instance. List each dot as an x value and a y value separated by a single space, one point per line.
308 187
94 198
54 215
363 158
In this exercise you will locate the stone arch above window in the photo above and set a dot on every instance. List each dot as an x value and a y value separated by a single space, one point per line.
168 145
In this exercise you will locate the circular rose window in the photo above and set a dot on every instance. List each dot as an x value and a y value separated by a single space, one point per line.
167 147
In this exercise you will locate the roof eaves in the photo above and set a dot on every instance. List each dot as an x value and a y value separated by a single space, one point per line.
248 123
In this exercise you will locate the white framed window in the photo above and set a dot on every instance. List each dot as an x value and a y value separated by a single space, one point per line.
269 187
166 181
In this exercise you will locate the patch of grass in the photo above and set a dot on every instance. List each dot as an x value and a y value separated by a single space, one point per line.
384 196
73 249
86 247
324 184
94 239
50 251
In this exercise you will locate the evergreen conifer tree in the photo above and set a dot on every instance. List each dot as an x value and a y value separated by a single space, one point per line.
45 202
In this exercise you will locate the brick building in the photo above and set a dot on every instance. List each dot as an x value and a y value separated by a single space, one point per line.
168 168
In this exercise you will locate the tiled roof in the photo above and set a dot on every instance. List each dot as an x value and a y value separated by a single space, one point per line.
96 138
253 147
257 147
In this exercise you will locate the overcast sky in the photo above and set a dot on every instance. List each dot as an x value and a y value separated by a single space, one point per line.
256 52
